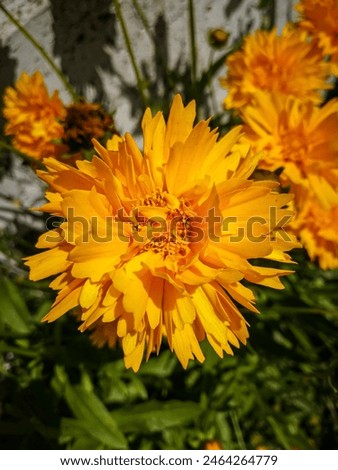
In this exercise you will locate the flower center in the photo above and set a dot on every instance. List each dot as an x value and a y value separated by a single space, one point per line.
164 224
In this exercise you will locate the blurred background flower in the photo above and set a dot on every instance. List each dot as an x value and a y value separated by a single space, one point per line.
320 19
317 228
289 63
33 117
298 136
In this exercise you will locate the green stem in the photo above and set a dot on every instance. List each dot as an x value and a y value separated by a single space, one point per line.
44 54
12 149
303 310
210 85
269 16
143 18
193 43
140 82
237 429
15 350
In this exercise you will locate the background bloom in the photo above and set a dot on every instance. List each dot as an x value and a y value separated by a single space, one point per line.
212 445
156 243
298 136
290 64
84 122
33 117
316 228
320 19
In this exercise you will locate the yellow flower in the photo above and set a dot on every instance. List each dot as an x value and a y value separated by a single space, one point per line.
212 445
33 117
155 244
289 64
317 229
320 19
300 137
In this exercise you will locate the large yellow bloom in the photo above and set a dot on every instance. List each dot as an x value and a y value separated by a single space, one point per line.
317 229
320 19
289 64
33 117
300 137
155 243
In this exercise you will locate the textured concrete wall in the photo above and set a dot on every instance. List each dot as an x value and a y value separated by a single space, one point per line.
85 39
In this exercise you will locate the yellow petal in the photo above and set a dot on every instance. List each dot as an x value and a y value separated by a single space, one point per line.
89 293
66 300
48 263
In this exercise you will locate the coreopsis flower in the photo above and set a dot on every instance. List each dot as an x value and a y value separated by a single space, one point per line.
320 19
317 229
33 117
298 136
290 64
155 243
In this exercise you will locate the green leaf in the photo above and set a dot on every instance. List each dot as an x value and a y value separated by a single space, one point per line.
161 366
95 417
14 312
155 416
224 428
280 434
75 435
42 310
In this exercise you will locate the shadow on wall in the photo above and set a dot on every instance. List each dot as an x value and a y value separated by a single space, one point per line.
245 23
7 75
160 81
163 80
81 31
158 77
232 6
167 81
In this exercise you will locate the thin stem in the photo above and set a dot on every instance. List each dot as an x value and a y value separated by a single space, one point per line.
237 429
303 310
44 54
143 18
210 85
193 42
269 16
140 82
15 350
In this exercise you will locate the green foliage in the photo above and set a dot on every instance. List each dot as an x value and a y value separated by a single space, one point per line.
279 392
14 312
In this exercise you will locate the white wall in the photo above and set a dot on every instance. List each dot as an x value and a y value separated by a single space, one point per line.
84 37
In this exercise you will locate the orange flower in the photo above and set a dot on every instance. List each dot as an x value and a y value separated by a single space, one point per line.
212 445
289 64
317 229
320 19
156 243
33 117
299 137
